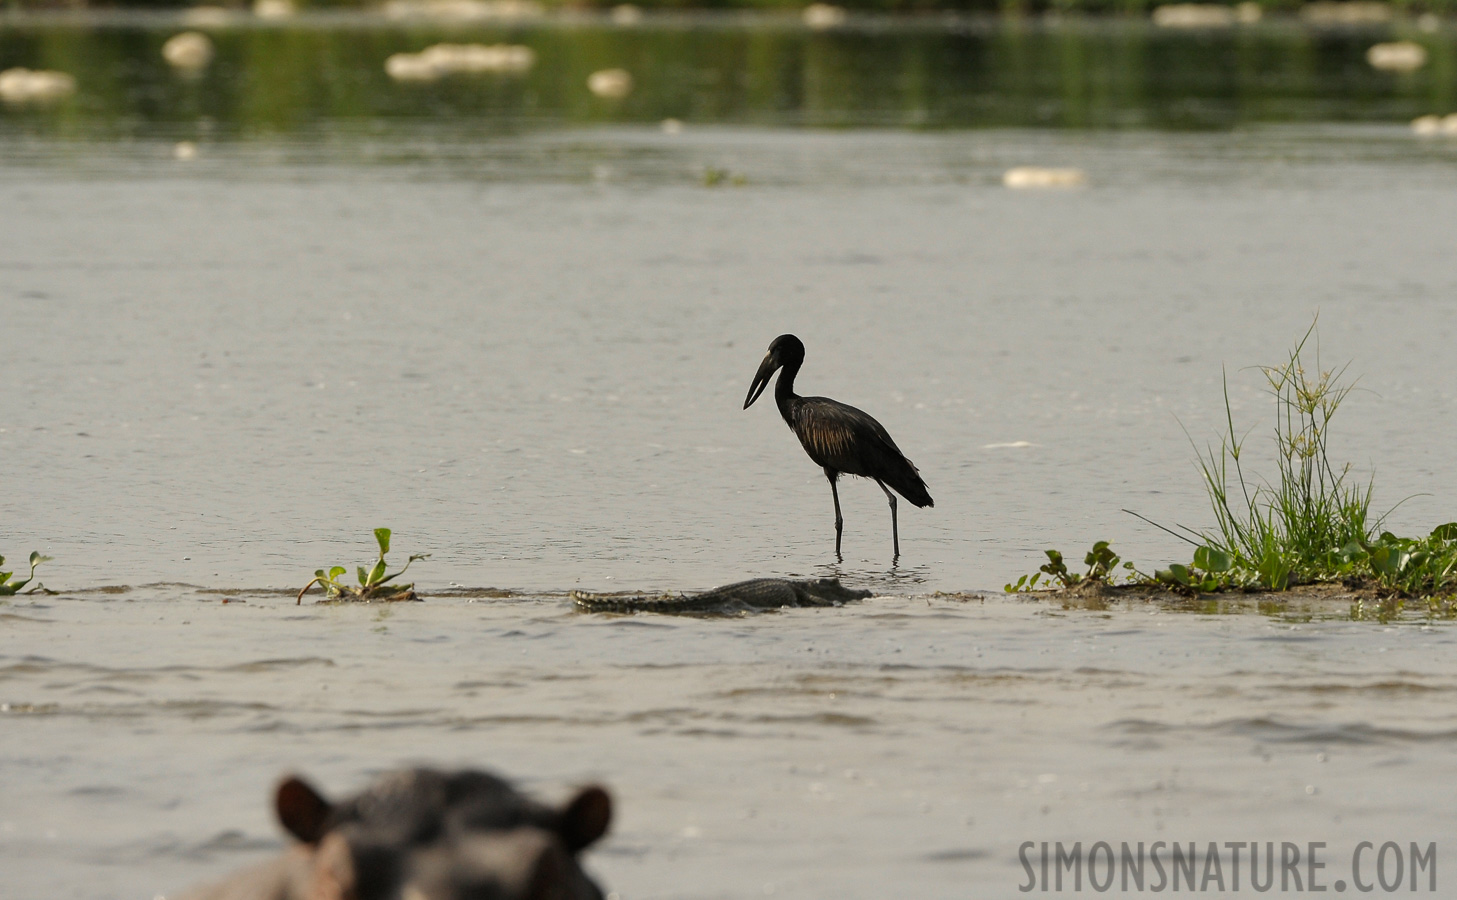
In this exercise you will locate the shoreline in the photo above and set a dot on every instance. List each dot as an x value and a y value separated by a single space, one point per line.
783 19
1321 600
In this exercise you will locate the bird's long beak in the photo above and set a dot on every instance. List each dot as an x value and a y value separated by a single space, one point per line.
761 380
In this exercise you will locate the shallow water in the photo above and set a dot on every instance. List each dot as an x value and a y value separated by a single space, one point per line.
528 357
901 745
526 352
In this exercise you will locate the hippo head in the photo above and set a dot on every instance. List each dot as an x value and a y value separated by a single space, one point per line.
422 834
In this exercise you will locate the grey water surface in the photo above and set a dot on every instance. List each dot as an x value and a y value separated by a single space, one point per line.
527 354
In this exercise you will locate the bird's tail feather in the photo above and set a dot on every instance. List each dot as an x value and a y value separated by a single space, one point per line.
909 485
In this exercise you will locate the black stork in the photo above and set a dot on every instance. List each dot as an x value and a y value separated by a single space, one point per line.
839 438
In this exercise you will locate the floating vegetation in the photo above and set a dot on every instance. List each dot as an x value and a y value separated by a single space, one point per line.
1311 525
713 176
1101 561
21 86
1036 177
374 585
190 51
1397 56
611 84
10 588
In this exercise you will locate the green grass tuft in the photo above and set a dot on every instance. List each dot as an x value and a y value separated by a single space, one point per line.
1313 523
1305 526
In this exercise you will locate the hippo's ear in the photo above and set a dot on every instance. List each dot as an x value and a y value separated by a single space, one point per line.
586 817
301 809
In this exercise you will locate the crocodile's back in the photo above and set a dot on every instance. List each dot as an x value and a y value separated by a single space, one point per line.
756 593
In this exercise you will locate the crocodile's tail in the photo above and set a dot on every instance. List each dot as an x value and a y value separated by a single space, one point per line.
588 602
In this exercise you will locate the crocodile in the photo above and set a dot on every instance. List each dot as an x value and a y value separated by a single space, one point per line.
756 593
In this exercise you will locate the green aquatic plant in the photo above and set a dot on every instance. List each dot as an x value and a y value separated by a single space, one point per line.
1101 562
374 584
1212 569
1297 528
714 176
1413 567
10 588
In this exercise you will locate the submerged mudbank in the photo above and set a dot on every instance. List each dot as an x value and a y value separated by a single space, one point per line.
1356 599
1352 600
741 596
353 595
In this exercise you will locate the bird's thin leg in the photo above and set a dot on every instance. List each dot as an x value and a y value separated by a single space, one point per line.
894 529
839 522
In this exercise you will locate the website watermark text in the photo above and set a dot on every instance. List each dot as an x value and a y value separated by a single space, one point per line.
1227 867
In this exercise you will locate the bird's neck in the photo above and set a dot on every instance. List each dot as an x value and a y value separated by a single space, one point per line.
784 395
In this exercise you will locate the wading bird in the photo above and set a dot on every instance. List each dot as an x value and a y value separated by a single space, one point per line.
839 438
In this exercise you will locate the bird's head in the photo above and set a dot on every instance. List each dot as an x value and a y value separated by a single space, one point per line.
786 350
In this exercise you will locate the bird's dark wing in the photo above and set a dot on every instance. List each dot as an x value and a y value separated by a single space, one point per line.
845 439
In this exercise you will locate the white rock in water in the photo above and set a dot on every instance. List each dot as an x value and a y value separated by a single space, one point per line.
20 86
614 84
823 15
1036 177
1432 126
410 67
1427 126
626 14
448 59
1193 15
184 151
671 126
1397 56
273 9
208 16
500 58
189 51
463 10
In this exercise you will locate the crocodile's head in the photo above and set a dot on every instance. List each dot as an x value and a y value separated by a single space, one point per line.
832 589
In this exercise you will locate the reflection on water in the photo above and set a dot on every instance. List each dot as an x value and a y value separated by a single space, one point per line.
525 350
287 77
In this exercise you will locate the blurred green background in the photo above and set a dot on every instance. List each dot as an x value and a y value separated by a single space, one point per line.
292 75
